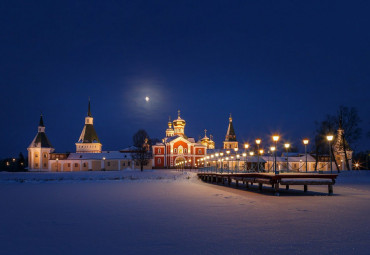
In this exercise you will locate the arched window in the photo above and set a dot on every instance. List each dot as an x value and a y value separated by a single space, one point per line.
175 150
159 161
199 151
181 150
185 150
159 151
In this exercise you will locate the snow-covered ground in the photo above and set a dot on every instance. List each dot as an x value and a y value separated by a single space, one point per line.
169 212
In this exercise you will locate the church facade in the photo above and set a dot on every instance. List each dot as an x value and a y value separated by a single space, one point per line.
177 148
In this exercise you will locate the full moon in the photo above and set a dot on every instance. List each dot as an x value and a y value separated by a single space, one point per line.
147 99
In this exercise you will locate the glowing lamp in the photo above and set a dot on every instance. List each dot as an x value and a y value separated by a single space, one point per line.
261 152
251 153
305 141
258 141
329 138
287 145
272 148
244 154
275 138
246 146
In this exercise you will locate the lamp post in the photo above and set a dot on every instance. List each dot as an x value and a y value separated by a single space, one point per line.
287 145
261 153
276 139
330 138
228 163
245 161
237 162
258 142
305 142
57 164
272 149
222 161
251 154
104 164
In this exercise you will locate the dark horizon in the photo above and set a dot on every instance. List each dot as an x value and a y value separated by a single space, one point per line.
276 66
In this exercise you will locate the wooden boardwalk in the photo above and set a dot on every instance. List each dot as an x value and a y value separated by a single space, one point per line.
273 180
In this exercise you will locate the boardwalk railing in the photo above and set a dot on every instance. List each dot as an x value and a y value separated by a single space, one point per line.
271 179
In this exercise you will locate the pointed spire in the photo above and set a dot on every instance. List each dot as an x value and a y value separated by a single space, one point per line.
88 110
178 114
41 123
230 118
205 132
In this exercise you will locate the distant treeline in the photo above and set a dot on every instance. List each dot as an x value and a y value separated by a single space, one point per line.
14 164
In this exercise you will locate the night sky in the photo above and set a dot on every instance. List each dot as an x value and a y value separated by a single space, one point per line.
277 66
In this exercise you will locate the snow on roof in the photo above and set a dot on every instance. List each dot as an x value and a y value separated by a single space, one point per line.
99 156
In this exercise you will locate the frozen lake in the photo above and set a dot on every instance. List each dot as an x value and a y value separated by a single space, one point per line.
165 212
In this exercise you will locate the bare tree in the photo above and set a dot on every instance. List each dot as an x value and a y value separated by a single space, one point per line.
348 120
142 153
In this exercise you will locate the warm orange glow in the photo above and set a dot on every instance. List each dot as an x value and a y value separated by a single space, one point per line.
330 137
244 154
246 146
275 138
235 149
261 152
258 141
228 152
305 141
287 145
251 153
272 148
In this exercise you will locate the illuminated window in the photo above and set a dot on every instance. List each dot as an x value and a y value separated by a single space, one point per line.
181 150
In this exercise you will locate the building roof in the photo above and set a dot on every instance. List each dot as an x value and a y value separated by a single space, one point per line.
41 141
230 134
99 156
88 135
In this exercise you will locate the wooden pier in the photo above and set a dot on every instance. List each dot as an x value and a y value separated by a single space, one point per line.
273 180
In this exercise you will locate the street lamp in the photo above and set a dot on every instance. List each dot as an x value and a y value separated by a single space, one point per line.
258 142
237 162
260 153
276 139
272 149
57 164
305 142
245 161
330 138
287 145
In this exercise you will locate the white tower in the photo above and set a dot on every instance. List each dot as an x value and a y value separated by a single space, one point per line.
39 150
88 141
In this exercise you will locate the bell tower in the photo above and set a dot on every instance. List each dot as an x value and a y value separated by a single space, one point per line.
230 138
39 150
179 125
88 141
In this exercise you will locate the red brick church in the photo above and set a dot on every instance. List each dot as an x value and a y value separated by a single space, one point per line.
176 147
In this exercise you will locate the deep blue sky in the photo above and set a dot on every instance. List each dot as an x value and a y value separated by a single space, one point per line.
275 65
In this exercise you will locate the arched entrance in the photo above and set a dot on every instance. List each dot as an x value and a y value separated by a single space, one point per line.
180 162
